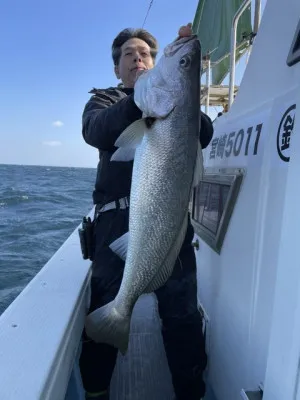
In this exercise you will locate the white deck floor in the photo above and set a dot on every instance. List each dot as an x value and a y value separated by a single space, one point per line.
143 373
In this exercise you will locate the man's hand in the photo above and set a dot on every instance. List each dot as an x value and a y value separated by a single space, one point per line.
185 30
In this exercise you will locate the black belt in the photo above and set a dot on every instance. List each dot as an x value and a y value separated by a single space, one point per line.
119 204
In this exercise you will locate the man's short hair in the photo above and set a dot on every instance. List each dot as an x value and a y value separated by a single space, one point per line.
130 33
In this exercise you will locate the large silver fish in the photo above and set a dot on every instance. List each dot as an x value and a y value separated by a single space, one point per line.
168 163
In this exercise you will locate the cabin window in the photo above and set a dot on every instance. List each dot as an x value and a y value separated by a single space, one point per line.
213 202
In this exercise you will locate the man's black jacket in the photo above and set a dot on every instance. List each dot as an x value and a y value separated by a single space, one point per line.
105 116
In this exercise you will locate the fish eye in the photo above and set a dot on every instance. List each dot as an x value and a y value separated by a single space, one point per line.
185 62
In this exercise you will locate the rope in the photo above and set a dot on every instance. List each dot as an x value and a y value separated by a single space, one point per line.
149 8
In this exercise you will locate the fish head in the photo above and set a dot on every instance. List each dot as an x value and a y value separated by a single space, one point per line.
174 80
181 67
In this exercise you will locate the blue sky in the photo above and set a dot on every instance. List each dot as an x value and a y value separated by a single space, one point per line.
52 54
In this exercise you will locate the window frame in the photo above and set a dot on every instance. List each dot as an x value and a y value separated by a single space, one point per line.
221 176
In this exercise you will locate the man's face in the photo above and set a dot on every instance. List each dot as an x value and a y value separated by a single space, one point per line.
135 56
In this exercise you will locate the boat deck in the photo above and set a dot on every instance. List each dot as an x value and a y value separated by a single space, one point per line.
143 373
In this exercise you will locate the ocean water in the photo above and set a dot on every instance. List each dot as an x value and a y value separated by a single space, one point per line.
39 208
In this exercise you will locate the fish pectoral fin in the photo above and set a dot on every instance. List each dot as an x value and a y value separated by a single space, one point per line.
164 273
129 140
123 154
107 325
199 167
133 135
120 246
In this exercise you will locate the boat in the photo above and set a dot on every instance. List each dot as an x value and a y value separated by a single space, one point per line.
246 218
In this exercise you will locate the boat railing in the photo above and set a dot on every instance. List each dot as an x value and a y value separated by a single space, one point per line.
209 98
40 332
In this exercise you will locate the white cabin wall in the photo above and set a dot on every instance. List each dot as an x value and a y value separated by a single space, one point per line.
236 288
282 374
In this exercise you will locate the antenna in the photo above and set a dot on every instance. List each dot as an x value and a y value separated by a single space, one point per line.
150 5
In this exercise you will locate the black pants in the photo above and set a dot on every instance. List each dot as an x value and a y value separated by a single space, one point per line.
177 304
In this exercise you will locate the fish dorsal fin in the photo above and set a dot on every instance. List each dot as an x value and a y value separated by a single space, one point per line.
199 167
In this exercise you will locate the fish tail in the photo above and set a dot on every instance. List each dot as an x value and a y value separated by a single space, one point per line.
107 325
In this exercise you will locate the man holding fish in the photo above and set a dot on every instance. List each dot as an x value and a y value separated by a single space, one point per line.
150 134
